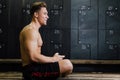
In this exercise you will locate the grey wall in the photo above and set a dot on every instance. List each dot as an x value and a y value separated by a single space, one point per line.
95 26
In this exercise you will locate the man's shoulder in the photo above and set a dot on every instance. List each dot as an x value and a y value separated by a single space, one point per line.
28 30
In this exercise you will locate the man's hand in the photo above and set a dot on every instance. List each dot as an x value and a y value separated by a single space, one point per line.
57 57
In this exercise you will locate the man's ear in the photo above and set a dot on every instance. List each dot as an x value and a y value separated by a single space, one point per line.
35 14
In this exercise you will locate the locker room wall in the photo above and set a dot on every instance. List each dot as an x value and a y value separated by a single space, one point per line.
15 14
3 27
80 29
95 26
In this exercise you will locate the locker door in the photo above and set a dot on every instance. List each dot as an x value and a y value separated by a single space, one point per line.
109 29
84 29
3 27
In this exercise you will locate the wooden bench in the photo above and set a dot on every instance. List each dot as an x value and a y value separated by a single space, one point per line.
74 61
10 60
18 75
95 61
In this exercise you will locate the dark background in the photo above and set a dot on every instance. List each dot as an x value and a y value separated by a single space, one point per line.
79 29
14 15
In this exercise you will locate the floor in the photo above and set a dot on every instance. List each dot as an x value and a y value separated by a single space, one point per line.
73 76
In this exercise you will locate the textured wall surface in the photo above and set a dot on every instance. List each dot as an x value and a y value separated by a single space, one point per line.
95 26
80 29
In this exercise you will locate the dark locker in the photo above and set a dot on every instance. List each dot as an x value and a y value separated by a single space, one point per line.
79 29
57 38
84 29
14 28
84 46
4 20
109 26
95 28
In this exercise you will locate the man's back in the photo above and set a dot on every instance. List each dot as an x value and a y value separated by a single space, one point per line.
27 36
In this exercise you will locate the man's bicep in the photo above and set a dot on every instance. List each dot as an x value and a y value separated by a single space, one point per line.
30 43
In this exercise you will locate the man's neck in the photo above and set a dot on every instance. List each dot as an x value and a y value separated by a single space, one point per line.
35 24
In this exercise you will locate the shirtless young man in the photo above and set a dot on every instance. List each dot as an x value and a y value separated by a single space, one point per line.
34 63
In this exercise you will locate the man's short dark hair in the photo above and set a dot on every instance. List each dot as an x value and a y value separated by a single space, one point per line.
37 6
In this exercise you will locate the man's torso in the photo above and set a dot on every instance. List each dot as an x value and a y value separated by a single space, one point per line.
24 53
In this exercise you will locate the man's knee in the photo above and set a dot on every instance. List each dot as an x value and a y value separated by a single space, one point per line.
66 66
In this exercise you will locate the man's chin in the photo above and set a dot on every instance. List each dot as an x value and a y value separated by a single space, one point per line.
44 24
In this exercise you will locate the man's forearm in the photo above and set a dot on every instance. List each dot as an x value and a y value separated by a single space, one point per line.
42 59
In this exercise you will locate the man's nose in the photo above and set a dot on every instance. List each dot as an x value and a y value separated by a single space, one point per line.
47 17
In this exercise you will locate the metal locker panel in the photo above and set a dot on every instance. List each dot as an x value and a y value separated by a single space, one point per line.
81 51
96 23
112 36
109 14
56 35
109 52
83 21
55 13
108 46
3 40
112 20
84 29
109 22
83 14
14 28
53 40
4 20
87 37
